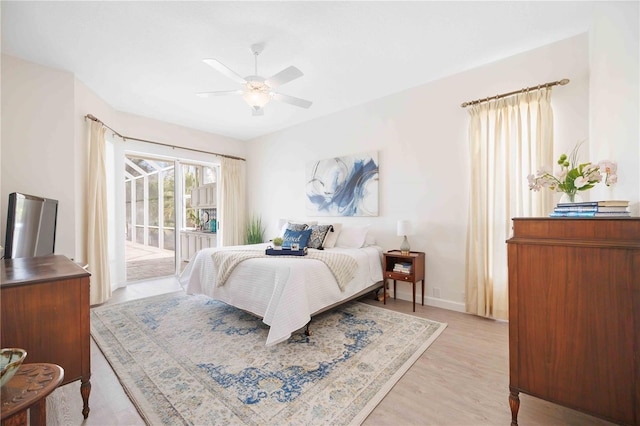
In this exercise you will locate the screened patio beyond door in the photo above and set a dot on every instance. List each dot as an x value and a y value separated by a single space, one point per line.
150 218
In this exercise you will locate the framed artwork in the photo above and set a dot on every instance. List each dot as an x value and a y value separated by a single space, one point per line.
343 186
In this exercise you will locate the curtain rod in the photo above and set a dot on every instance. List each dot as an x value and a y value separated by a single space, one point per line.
526 89
94 118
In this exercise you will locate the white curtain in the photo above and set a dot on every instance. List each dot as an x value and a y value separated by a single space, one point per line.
509 138
232 204
96 220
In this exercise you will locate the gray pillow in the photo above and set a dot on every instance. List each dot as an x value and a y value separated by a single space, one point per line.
297 226
318 235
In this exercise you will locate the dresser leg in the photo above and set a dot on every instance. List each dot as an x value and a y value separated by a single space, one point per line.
514 403
85 390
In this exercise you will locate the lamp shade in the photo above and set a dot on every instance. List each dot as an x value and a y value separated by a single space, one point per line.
404 228
256 93
256 98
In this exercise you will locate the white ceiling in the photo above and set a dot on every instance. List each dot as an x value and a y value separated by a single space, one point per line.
145 57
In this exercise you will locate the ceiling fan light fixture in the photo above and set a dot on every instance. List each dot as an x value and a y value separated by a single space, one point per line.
256 90
257 94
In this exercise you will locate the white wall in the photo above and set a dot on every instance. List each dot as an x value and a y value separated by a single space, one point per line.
615 97
421 137
38 141
172 134
44 142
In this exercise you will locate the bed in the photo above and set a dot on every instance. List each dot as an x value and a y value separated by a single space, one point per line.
285 291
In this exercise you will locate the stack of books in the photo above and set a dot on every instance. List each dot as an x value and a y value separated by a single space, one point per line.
608 208
403 268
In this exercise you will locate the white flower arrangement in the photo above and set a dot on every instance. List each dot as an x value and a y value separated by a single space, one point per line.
572 177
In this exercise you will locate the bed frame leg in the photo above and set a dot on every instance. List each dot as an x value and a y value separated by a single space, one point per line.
308 332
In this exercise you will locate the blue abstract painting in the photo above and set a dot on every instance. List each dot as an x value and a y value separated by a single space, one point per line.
343 186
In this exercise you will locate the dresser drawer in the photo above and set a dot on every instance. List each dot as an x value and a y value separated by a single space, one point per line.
398 276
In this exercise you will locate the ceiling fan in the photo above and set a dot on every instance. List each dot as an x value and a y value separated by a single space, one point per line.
257 91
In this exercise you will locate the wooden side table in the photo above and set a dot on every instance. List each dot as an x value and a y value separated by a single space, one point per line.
415 263
28 390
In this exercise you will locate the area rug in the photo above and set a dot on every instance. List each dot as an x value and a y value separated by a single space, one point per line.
186 359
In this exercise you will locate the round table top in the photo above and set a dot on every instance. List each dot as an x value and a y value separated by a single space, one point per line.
30 384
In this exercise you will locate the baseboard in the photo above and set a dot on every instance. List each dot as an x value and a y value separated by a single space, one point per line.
432 301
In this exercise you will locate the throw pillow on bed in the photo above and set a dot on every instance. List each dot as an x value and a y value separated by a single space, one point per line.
352 236
296 226
300 237
318 235
332 236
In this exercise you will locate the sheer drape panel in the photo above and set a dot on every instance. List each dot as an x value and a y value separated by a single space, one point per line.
96 220
508 139
232 204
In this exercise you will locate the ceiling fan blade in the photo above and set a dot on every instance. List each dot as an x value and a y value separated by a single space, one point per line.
221 93
284 76
223 69
292 100
257 111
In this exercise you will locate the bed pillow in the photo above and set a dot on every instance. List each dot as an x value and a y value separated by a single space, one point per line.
370 240
332 236
300 237
294 225
352 236
318 235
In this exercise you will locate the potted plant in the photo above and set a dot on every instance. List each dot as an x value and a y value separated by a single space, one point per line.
277 243
255 231
194 218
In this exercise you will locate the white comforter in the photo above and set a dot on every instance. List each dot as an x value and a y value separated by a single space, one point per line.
284 291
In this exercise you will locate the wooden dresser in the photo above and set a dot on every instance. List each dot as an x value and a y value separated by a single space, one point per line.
574 315
45 310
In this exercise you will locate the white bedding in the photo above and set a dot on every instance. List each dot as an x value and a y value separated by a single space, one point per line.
284 291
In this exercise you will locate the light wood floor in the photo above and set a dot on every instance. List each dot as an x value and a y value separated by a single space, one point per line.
462 379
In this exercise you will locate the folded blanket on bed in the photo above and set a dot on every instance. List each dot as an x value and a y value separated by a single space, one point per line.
341 265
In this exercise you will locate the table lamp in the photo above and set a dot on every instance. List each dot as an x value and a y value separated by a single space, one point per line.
404 229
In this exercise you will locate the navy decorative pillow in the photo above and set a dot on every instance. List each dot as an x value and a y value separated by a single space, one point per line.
300 237
318 235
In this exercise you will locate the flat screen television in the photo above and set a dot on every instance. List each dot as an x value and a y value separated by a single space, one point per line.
31 226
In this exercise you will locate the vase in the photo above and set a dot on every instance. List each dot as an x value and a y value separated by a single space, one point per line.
570 198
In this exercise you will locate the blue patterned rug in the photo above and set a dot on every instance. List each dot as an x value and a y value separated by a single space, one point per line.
192 360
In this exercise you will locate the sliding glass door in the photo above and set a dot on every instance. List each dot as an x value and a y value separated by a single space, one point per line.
150 217
152 210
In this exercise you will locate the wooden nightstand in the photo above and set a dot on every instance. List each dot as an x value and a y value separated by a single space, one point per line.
415 262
